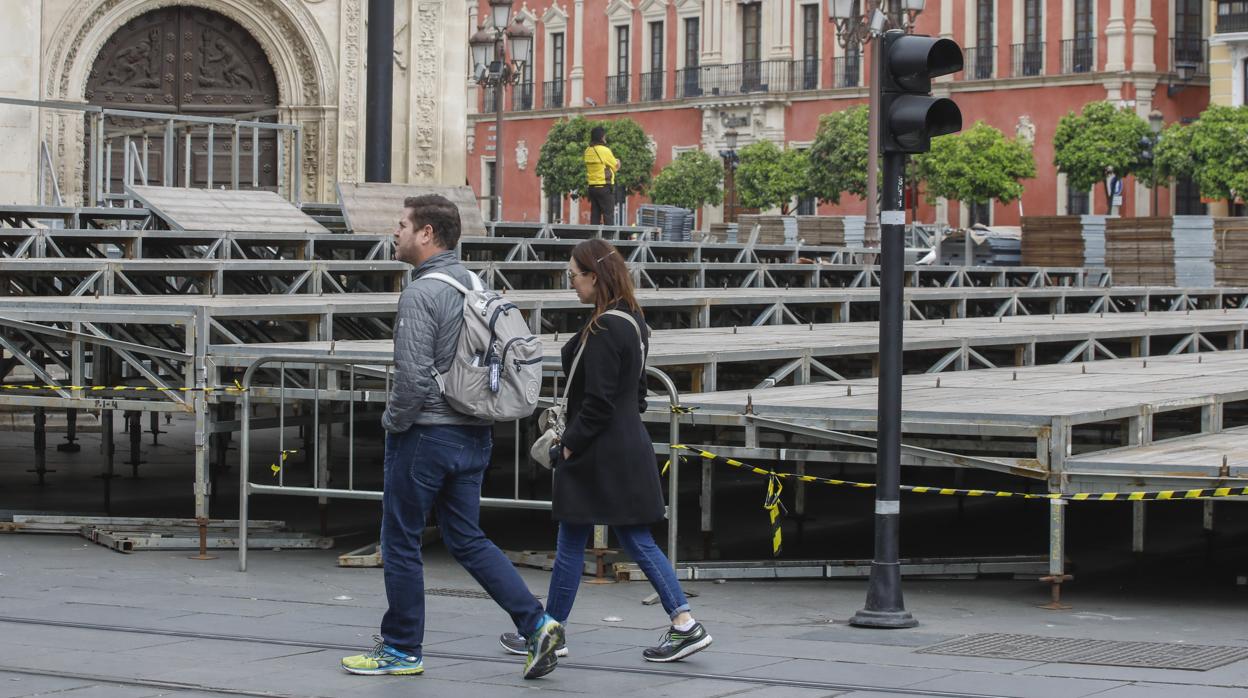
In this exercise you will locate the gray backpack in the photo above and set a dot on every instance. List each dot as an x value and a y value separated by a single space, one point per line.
497 370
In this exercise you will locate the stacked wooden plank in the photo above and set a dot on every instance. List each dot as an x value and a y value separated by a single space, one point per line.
1230 237
723 232
771 228
1063 241
1140 251
831 230
1158 251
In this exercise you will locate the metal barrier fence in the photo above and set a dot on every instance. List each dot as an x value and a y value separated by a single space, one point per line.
376 387
156 138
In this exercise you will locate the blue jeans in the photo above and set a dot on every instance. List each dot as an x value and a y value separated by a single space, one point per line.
637 541
440 467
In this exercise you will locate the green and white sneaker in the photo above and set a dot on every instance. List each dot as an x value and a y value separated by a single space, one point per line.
676 645
383 659
540 657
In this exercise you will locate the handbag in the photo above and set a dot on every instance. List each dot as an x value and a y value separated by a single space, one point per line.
553 420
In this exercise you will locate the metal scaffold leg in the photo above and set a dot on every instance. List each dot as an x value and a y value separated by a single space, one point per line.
156 431
41 444
135 429
1057 552
71 444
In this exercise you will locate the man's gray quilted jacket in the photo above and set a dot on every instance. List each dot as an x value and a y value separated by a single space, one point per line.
426 330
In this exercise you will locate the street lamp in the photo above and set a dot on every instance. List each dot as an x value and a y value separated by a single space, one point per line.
730 158
862 22
1156 120
491 68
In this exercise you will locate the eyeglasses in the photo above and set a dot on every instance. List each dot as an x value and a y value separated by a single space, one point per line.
573 274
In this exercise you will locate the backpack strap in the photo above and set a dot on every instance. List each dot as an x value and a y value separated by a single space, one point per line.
450 281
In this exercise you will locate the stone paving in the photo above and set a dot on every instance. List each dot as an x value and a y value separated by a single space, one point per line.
769 636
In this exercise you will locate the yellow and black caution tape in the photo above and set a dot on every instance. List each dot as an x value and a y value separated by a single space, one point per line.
681 409
277 467
773 506
236 388
1156 495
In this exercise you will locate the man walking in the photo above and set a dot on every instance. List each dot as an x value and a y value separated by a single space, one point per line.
435 460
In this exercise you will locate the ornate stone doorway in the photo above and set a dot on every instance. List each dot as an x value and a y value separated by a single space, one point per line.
186 60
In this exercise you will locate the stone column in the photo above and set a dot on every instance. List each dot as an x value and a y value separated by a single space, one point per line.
19 126
1144 87
1116 38
780 32
437 93
577 73
1143 33
712 35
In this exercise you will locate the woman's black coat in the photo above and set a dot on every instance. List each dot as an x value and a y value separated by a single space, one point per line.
612 477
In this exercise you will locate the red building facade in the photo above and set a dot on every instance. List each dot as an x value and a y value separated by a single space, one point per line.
690 70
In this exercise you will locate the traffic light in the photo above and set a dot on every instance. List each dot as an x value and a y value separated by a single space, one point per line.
1146 150
909 115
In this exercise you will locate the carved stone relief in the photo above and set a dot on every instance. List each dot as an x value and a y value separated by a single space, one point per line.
426 127
522 154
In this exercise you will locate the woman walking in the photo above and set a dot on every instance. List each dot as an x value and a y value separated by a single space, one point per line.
605 471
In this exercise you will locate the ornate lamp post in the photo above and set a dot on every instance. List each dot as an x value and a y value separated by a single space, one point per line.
861 22
730 157
1156 120
492 69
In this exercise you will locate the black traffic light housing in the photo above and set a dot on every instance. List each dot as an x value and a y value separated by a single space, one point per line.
909 115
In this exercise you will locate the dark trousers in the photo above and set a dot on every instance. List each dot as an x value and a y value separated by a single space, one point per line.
601 205
637 541
440 467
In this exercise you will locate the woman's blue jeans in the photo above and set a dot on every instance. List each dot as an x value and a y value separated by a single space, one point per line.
637 541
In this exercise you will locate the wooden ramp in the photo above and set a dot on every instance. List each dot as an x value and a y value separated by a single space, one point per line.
376 208
225 210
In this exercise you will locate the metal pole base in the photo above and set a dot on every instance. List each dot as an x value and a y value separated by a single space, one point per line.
203 541
1055 586
883 619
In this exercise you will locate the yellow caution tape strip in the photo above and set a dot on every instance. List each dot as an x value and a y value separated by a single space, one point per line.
124 388
277 467
1159 495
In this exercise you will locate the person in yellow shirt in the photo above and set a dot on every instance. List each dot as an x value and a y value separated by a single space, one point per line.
600 168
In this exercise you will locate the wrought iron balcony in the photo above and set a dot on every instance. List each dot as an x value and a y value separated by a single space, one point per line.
522 97
1027 60
736 78
490 102
652 86
805 73
1078 55
552 94
846 70
978 62
617 89
1232 16
1190 55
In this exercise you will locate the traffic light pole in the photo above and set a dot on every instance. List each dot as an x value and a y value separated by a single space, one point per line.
885 607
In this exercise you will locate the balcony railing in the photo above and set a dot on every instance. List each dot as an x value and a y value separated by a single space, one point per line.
522 97
1232 16
1189 53
552 94
846 70
1027 60
617 89
806 74
652 86
736 78
1078 56
978 62
689 82
490 103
